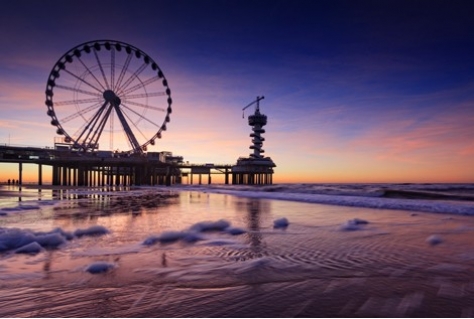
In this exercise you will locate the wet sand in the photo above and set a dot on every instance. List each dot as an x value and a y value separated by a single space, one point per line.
319 266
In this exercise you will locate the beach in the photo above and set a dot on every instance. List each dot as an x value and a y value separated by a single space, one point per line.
204 252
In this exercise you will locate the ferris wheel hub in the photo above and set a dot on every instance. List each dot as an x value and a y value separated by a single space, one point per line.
111 97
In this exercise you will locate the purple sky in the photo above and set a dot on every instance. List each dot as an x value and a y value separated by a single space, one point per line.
355 91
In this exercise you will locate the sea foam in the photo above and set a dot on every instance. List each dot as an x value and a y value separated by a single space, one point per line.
194 233
99 267
281 223
353 224
95 230
27 241
206 226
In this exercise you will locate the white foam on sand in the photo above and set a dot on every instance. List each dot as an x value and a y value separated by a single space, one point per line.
434 240
51 240
195 233
95 230
281 223
65 234
27 241
205 226
31 248
100 267
23 207
108 251
235 231
19 208
353 224
169 237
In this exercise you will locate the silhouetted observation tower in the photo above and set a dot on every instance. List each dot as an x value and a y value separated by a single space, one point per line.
255 169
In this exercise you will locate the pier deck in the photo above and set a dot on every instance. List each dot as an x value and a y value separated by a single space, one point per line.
71 168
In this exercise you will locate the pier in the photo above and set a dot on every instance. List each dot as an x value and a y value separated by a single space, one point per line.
104 89
70 168
89 167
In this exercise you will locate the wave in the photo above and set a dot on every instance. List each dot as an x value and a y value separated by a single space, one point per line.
409 194
433 198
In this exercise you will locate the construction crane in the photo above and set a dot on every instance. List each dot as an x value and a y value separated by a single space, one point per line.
257 109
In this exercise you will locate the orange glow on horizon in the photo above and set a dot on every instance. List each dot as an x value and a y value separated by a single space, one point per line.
30 176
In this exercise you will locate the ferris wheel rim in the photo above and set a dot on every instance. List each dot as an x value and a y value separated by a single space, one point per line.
131 51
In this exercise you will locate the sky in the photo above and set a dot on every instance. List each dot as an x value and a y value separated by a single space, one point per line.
355 91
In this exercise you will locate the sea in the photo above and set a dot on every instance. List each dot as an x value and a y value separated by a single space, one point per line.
426 197
434 198
282 250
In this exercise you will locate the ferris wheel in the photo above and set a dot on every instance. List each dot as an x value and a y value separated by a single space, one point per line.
108 91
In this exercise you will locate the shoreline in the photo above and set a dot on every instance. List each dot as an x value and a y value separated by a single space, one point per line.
459 200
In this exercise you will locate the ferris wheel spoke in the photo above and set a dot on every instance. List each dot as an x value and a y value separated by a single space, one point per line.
144 95
91 74
146 106
78 131
74 102
141 85
101 69
112 68
91 123
69 88
132 77
80 113
84 131
111 135
139 115
94 139
83 81
124 70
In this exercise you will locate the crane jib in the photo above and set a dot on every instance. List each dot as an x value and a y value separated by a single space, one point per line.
256 101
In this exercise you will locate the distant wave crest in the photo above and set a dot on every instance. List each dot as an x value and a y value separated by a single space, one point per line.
435 198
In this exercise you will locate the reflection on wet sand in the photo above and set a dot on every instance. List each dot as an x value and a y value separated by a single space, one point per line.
310 269
47 264
255 208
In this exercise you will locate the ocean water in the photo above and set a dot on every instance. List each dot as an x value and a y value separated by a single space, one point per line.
434 198
288 250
